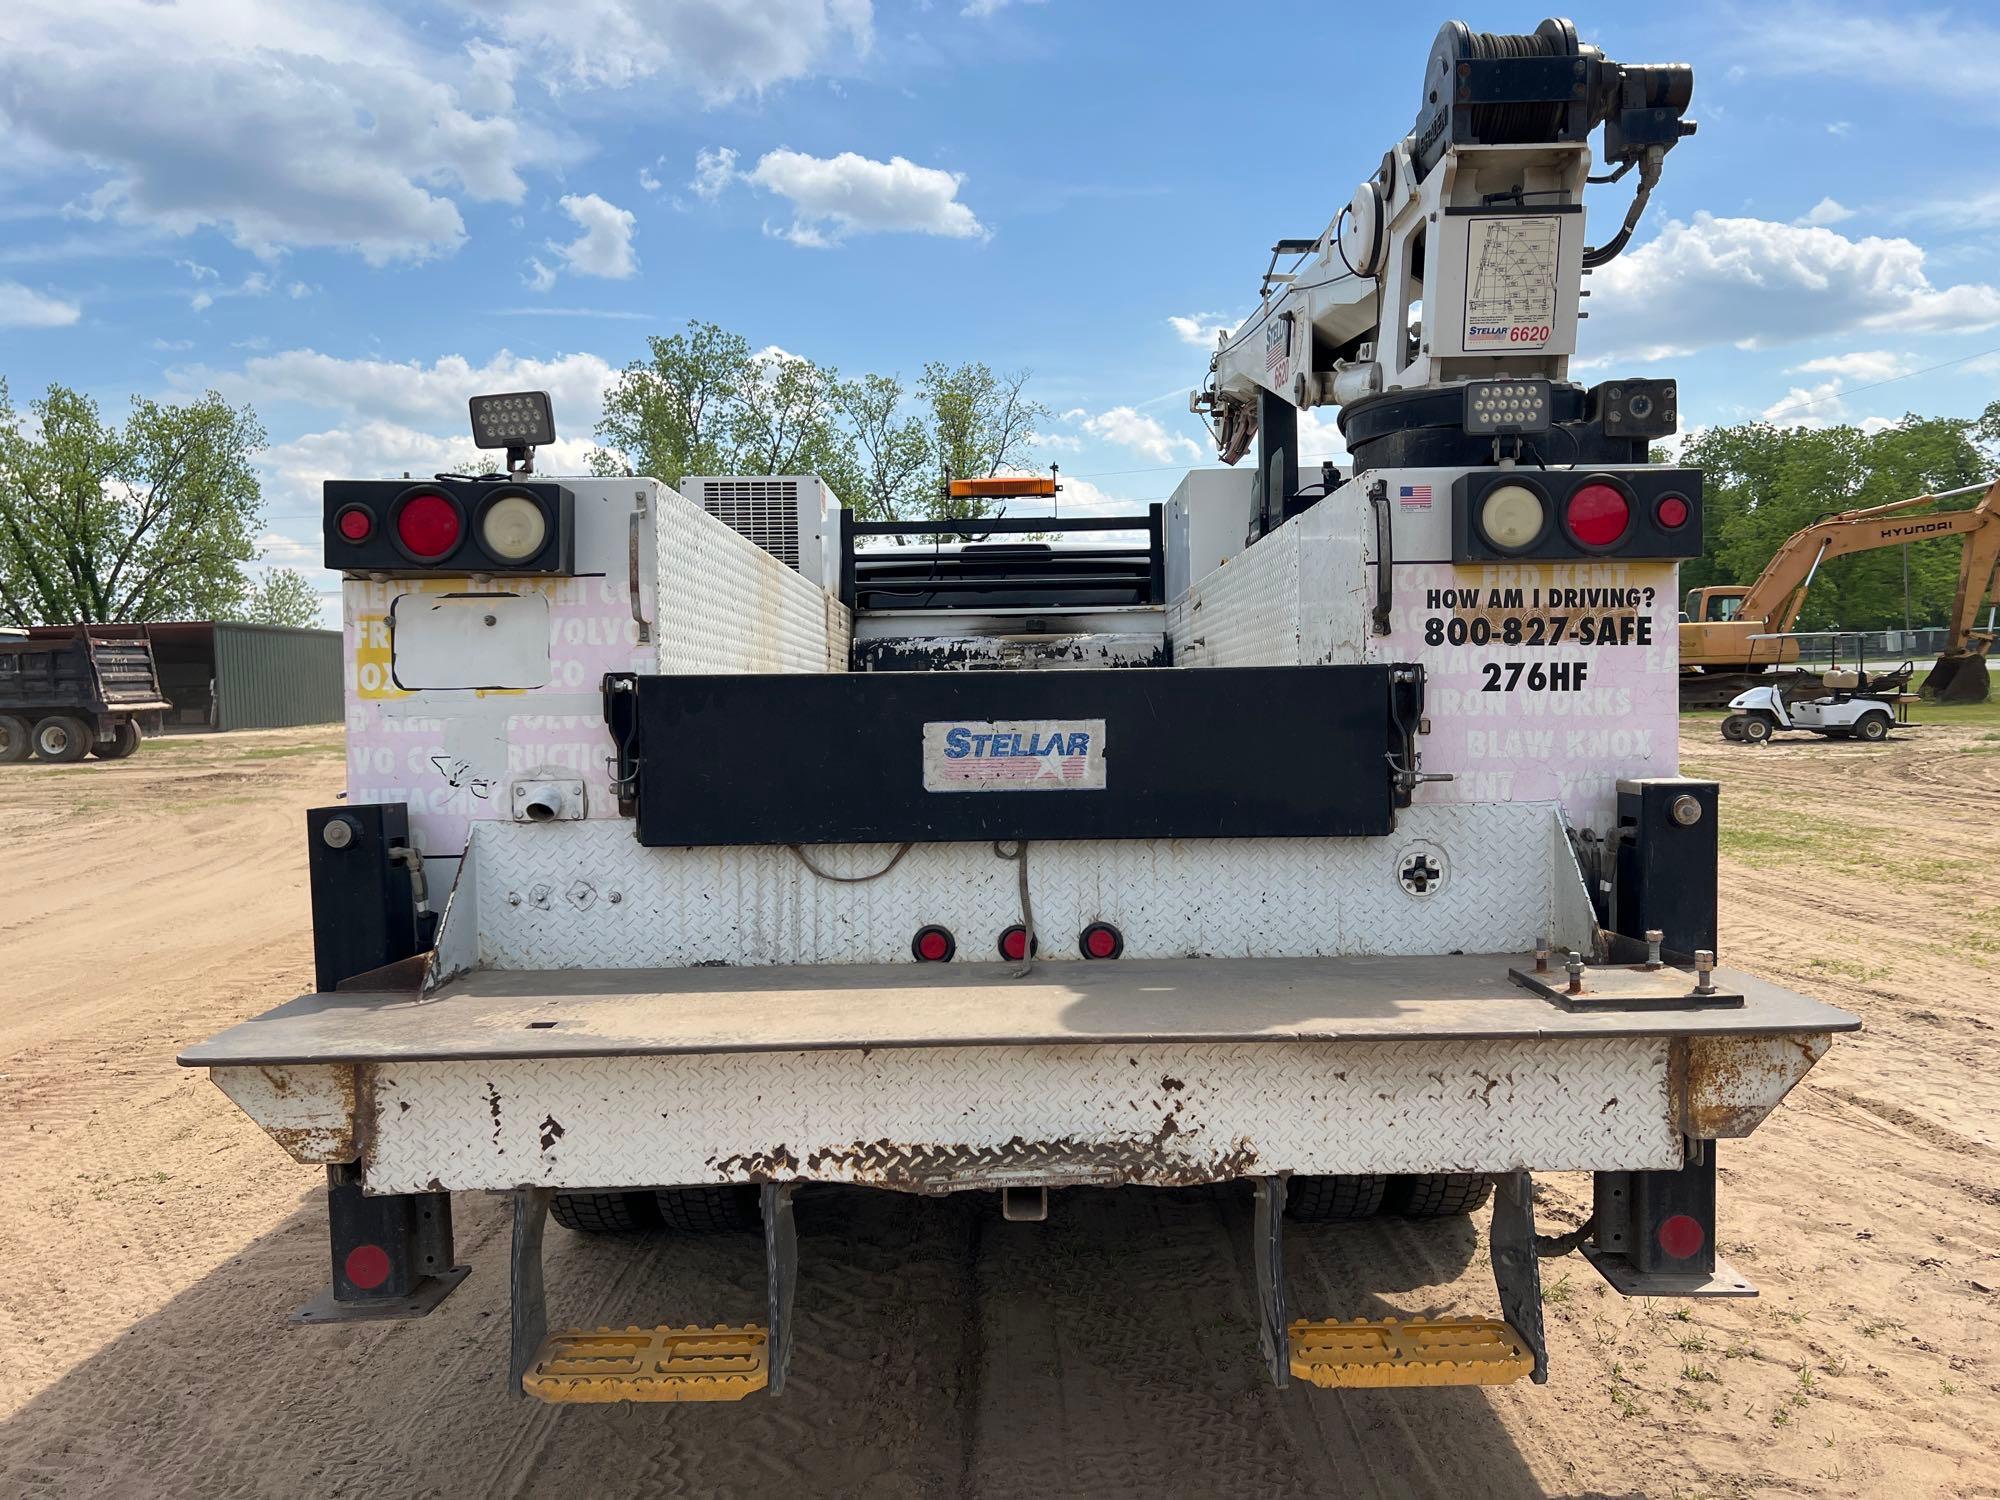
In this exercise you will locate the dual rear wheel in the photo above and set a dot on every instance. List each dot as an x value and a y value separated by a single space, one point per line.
1428 1195
709 1209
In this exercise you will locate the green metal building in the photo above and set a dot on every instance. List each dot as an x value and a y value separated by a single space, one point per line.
225 674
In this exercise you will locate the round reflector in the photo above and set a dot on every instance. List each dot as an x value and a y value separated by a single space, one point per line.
1512 516
932 945
429 526
1101 940
367 1266
356 523
1014 943
1598 514
513 528
1682 1236
1671 512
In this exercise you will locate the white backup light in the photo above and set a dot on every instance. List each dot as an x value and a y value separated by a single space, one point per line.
513 528
1512 516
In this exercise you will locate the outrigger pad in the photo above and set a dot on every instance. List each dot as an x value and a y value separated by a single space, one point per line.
1423 1351
722 1363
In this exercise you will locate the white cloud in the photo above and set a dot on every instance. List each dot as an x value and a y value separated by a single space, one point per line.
290 551
1819 404
281 122
713 171
410 394
539 277
1753 283
833 197
24 307
209 289
1935 53
1201 329
605 246
1839 127
718 49
981 9
1862 365
1826 211
648 181
1144 435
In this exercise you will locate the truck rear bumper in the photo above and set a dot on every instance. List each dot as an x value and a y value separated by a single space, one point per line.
943 1077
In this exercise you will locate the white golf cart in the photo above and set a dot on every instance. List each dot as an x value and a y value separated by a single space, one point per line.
1851 703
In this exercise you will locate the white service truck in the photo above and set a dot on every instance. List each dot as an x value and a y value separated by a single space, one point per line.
1326 838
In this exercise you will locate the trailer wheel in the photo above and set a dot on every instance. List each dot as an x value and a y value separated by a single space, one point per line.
15 742
1872 727
604 1213
726 1208
1330 1200
61 739
1437 1195
124 740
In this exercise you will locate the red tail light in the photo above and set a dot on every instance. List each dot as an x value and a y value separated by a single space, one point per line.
1671 512
1682 1236
356 523
367 1266
1598 514
429 526
1014 943
1101 940
933 945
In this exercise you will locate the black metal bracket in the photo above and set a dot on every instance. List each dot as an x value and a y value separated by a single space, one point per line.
1385 556
392 1254
1517 1270
530 1292
781 1271
1268 1252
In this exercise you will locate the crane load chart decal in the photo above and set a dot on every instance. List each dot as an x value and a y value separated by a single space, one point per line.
1510 281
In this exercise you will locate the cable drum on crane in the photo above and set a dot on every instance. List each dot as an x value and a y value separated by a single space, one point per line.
1494 121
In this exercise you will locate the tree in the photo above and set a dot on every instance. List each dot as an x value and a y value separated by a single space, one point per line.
678 412
146 522
281 597
894 473
980 422
788 421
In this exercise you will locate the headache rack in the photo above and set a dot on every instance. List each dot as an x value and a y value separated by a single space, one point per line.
1007 575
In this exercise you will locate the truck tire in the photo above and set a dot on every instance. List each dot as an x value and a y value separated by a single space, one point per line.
1437 1195
1332 1200
604 1213
15 739
726 1208
124 740
61 739
1873 728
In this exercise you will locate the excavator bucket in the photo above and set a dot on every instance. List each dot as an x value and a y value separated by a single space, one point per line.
1958 677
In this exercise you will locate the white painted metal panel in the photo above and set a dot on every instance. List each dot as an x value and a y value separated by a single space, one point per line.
545 895
489 639
932 1119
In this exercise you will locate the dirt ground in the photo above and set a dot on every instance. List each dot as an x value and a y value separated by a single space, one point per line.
152 1239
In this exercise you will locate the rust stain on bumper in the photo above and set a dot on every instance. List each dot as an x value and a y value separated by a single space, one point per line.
1724 1086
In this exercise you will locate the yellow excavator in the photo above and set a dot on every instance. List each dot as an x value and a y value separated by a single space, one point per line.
1731 637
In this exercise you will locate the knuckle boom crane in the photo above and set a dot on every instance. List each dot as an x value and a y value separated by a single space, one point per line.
1331 845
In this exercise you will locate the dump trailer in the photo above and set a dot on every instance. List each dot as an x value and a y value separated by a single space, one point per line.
95 691
1323 840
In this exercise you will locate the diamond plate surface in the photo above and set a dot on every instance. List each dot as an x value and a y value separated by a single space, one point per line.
726 605
545 895
931 1119
1245 613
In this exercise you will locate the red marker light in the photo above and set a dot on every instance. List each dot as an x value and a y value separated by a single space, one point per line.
429 526
1682 1236
1598 515
367 1266
355 523
1101 940
1014 943
1672 512
933 945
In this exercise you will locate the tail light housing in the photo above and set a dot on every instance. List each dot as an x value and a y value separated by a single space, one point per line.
1640 513
933 945
449 526
1100 940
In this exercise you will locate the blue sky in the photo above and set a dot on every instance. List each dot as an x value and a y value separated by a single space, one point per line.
354 215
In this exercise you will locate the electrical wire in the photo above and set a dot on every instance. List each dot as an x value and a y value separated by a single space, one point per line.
799 853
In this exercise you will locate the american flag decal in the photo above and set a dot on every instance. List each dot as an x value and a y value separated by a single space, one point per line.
1414 496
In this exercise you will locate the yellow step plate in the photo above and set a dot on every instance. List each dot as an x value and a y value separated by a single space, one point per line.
722 1363
1422 1351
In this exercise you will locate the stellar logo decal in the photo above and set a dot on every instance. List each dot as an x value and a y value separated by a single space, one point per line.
1028 755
